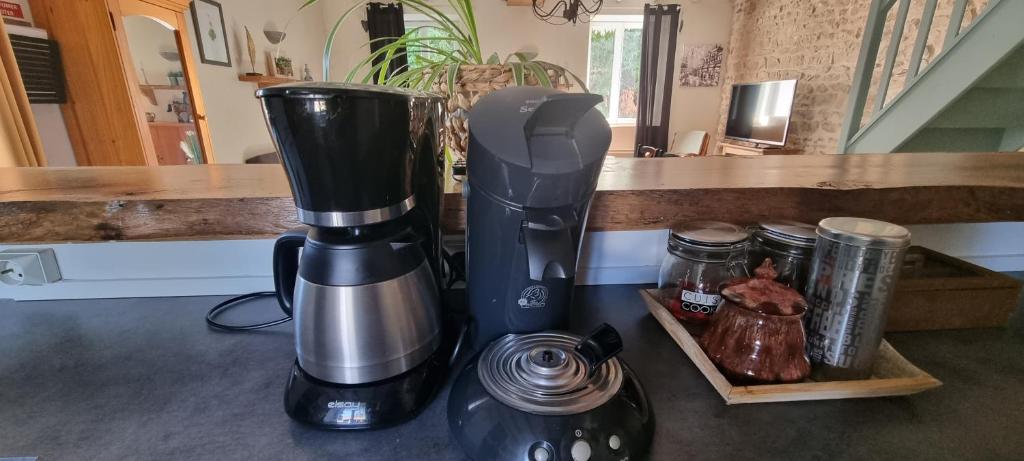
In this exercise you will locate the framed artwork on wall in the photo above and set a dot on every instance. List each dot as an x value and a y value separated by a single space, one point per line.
208 18
702 65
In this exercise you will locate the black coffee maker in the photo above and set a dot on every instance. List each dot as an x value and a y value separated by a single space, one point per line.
364 167
533 161
536 391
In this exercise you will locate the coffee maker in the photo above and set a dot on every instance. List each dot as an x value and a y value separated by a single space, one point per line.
535 391
534 158
364 166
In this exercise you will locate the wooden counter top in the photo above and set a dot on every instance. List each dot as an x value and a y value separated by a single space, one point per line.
253 201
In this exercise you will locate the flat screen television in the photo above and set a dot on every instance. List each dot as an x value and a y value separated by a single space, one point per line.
759 112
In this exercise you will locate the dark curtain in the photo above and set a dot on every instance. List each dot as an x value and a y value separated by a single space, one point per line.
657 59
385 21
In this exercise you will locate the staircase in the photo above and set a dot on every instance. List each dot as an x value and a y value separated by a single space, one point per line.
969 98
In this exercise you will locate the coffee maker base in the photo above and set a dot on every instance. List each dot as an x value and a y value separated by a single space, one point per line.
363 406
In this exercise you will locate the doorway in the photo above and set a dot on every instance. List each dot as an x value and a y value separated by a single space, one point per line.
162 81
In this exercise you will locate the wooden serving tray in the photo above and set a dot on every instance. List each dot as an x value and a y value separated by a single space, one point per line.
893 374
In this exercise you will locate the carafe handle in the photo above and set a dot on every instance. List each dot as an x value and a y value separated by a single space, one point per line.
286 265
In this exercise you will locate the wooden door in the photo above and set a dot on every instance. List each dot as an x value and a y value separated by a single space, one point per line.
170 14
99 114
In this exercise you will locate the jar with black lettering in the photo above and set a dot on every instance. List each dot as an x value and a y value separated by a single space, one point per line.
702 255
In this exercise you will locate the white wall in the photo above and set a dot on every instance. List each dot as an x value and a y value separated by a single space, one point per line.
236 122
54 135
707 21
146 39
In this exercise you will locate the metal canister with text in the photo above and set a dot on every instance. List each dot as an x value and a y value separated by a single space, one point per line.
850 286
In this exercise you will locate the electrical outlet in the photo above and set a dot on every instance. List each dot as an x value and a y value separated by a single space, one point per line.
29 266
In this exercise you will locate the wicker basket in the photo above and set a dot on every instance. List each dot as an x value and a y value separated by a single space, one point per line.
474 81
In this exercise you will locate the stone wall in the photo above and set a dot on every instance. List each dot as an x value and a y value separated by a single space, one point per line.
817 43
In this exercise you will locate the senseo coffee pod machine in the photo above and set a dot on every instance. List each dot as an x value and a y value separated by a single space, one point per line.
534 392
364 167
532 165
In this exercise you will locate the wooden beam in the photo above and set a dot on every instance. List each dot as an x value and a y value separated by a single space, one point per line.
253 201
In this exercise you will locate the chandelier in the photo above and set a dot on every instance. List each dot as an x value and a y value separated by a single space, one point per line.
566 11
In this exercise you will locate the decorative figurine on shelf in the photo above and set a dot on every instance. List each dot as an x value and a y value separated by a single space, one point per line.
307 75
252 54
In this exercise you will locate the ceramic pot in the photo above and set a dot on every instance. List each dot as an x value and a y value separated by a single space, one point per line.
757 335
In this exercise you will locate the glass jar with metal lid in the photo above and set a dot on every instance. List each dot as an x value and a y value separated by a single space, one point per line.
702 255
790 245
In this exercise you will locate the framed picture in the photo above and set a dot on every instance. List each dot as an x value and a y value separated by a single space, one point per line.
208 18
702 65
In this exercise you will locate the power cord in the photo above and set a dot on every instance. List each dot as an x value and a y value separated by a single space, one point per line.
234 302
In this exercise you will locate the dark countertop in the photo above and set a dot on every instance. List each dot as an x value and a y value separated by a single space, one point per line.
145 379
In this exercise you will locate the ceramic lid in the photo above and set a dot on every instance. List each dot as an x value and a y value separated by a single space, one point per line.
864 232
790 232
542 373
763 294
709 233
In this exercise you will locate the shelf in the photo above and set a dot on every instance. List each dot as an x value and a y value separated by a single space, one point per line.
262 81
164 87
149 91
253 201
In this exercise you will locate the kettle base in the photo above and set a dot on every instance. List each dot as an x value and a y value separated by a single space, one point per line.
372 405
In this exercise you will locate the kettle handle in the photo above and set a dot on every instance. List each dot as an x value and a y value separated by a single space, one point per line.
286 265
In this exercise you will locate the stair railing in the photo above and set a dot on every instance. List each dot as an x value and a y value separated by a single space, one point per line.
871 44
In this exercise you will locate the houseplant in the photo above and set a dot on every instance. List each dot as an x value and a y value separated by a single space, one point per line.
446 57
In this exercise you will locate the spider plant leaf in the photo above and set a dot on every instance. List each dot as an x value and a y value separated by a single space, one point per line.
523 56
449 25
383 75
415 80
369 59
493 59
330 40
407 75
471 23
438 51
409 45
517 73
539 72
453 72
443 21
436 72
307 3
368 78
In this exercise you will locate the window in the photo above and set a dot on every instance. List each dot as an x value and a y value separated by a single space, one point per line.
613 67
425 28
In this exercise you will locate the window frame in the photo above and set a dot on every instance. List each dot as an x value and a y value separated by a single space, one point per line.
619 23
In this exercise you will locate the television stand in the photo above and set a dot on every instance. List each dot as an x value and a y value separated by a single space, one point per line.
734 149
